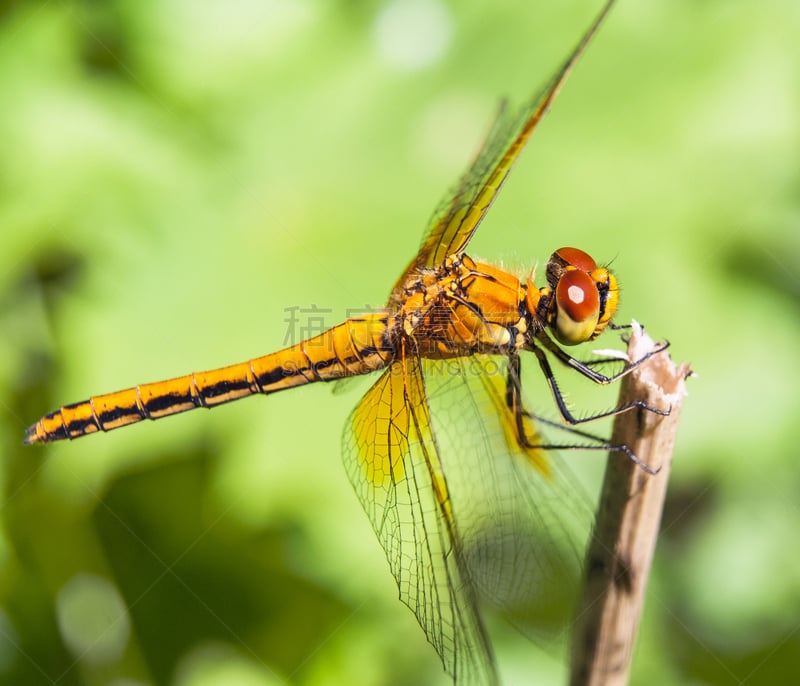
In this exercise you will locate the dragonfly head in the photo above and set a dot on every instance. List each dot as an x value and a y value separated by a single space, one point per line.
579 300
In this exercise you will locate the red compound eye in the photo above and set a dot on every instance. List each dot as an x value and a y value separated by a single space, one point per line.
577 258
577 296
577 307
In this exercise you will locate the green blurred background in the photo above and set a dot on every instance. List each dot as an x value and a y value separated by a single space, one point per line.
174 175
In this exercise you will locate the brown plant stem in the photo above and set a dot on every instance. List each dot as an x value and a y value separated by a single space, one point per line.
628 518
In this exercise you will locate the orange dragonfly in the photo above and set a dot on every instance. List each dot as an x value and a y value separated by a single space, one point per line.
449 341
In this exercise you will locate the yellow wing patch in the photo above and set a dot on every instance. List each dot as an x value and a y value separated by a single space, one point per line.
381 423
393 462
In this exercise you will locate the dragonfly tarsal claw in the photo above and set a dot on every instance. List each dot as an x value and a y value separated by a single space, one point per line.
618 327
641 404
652 471
661 347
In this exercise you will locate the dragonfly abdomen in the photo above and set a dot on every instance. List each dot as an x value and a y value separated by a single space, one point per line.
356 346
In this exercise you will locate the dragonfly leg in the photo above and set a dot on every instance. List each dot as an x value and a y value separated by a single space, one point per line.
601 361
528 439
585 368
618 327
570 418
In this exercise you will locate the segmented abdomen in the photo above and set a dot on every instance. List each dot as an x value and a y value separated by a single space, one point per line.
357 346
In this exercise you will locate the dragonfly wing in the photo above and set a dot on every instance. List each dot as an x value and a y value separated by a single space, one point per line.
456 217
459 215
393 462
523 518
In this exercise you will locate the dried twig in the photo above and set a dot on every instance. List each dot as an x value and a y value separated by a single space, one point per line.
628 518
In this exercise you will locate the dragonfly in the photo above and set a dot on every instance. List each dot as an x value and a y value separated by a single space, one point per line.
449 343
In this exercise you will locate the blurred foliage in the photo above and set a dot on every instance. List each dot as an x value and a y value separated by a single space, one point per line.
174 176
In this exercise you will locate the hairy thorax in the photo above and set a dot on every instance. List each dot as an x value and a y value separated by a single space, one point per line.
463 307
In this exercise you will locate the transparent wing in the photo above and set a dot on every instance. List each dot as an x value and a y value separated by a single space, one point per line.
459 215
393 462
464 512
523 519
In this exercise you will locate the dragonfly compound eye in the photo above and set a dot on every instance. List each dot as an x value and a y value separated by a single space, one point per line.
577 258
565 259
577 307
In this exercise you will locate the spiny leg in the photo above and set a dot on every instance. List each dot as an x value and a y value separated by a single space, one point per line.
585 368
514 401
570 418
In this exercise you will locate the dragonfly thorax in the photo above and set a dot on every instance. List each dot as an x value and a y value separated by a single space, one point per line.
579 300
463 307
